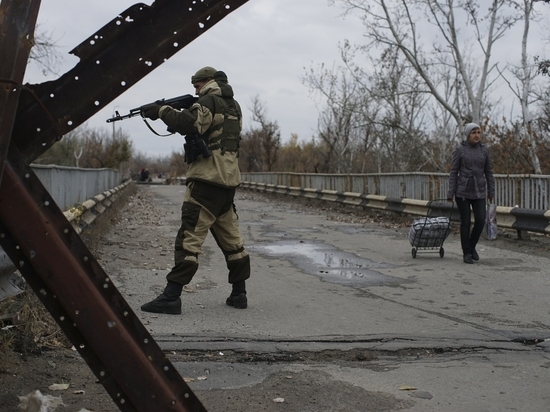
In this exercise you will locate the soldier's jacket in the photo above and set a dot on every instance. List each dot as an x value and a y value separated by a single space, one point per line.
217 117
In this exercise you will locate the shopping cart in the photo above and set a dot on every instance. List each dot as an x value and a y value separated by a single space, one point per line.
429 233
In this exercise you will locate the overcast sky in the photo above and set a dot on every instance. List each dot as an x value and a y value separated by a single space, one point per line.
265 47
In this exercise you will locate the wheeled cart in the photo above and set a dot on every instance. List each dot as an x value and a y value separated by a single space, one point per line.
429 233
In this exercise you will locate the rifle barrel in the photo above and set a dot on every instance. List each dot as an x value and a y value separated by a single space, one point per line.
133 112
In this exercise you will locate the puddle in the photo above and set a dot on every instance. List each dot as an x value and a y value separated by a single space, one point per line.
276 234
329 263
289 233
349 230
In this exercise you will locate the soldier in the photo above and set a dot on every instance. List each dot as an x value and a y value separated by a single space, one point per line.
211 182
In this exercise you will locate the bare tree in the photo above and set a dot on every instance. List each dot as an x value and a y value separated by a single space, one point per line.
98 148
401 24
341 122
525 73
269 134
400 117
45 53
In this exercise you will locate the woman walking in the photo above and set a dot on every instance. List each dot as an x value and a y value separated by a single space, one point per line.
471 181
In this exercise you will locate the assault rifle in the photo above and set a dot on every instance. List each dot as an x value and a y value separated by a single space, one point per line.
180 102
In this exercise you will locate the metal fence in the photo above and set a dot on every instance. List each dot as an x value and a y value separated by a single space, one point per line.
92 189
72 185
524 191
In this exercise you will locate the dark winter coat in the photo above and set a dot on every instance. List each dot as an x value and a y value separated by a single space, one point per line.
471 175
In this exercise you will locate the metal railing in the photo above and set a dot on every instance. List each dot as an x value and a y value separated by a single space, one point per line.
82 193
73 185
524 191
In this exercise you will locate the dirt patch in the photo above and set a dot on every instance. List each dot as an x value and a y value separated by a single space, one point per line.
307 391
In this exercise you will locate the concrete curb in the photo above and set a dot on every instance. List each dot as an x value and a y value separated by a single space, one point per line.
84 214
507 217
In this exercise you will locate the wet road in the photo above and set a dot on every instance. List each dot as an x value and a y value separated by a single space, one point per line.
326 294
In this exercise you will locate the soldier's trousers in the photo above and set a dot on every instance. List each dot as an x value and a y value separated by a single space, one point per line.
208 208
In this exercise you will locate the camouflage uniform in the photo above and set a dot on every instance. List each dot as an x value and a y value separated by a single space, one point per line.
211 183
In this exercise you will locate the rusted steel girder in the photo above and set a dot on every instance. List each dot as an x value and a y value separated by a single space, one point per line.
33 230
16 40
82 299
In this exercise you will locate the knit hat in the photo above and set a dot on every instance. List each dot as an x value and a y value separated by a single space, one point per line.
469 127
203 74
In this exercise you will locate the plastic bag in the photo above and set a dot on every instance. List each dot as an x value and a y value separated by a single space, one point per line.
491 222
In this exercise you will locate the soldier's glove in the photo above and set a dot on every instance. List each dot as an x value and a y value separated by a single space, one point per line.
151 111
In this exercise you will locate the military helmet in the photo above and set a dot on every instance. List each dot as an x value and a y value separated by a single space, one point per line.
203 74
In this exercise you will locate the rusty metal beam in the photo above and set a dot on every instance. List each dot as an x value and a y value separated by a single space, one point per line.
16 40
34 232
83 300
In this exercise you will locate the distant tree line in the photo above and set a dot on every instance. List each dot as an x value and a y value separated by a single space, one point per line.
396 103
90 148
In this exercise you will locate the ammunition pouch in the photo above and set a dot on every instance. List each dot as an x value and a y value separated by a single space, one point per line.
194 147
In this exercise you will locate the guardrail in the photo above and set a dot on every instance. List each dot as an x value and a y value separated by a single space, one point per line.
73 185
516 218
80 216
525 191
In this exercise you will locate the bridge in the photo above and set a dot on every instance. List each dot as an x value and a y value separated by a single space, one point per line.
337 301
335 295
334 280
409 304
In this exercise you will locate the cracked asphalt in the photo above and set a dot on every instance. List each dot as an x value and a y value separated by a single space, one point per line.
340 316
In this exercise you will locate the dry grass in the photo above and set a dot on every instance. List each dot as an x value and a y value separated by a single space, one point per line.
33 328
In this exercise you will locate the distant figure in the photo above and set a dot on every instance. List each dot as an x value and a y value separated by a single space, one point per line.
144 175
470 182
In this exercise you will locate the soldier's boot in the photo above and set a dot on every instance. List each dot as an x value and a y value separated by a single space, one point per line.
238 298
239 271
168 302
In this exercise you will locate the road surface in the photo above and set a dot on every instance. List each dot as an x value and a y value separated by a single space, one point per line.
340 316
